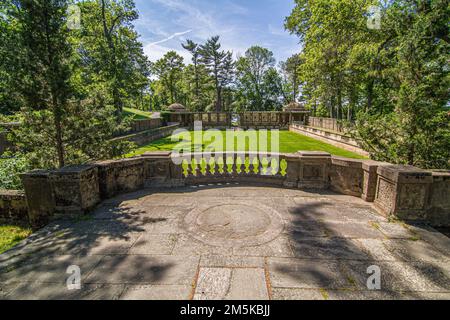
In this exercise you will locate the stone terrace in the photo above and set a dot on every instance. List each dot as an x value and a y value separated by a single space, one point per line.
229 242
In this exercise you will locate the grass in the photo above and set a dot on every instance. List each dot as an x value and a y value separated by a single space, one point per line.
136 114
290 142
12 235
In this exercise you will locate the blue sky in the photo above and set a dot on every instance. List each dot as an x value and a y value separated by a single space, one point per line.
165 24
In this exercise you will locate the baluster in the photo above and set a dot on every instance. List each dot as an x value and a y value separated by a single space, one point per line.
212 166
220 165
274 164
240 164
203 166
283 167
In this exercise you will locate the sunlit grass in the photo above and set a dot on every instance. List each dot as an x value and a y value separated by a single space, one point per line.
289 142
137 114
11 235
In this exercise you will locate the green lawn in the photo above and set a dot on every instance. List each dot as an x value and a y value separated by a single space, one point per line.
137 114
12 235
290 142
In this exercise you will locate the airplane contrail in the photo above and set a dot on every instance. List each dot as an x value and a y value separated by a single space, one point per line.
170 37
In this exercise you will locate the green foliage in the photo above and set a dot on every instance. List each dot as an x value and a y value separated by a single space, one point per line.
393 81
10 169
258 82
87 135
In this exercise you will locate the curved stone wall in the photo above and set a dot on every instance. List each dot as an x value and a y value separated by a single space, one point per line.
405 192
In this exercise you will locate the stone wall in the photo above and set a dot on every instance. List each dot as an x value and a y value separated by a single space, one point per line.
145 125
333 138
13 207
403 192
146 137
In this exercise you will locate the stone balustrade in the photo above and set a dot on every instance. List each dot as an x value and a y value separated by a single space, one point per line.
404 192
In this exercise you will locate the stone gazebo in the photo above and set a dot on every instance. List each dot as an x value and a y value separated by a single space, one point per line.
297 112
176 107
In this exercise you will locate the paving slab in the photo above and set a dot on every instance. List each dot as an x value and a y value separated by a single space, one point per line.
145 269
49 270
155 292
39 291
232 261
152 244
306 274
328 248
231 284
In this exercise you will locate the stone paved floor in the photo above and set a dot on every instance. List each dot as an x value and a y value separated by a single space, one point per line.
230 242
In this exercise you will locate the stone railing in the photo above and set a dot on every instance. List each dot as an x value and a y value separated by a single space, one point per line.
254 120
326 124
334 138
405 192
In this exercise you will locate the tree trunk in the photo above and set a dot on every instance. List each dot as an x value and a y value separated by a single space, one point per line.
116 95
58 132
219 99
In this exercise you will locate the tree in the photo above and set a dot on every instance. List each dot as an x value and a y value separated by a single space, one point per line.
258 81
57 128
169 71
219 64
11 54
111 53
290 69
393 81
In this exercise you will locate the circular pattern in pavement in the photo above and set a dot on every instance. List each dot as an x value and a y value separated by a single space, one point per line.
234 225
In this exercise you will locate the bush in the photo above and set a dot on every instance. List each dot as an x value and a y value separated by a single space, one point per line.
10 169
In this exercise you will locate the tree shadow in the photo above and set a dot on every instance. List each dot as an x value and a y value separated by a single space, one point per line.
333 258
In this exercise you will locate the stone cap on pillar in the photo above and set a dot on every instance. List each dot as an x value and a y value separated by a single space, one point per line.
157 155
314 154
347 162
405 174
36 173
119 163
440 175
372 165
76 169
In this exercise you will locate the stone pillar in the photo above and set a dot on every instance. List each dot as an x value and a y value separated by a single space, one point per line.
75 189
314 169
292 170
439 210
40 199
120 176
346 176
370 179
403 191
161 171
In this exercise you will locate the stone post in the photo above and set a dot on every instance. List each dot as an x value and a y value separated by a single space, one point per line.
346 176
161 171
75 189
314 169
40 199
439 211
292 170
370 179
403 191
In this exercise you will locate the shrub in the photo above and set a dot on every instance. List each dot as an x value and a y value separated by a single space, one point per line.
10 169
